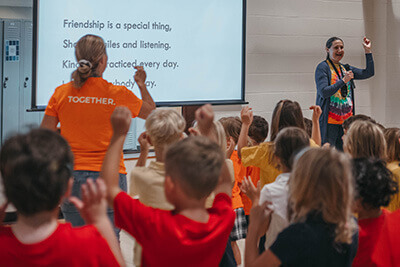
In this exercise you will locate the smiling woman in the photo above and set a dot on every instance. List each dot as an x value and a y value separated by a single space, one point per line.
335 89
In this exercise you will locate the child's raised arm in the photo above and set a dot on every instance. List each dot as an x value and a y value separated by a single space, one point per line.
246 115
120 121
93 209
205 118
316 131
144 150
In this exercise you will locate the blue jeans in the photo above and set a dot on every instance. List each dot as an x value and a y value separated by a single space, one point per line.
334 134
69 210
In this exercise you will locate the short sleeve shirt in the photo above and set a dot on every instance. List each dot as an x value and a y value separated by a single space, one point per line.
84 115
173 239
67 246
312 244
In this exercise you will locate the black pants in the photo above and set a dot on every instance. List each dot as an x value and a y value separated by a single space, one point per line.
334 134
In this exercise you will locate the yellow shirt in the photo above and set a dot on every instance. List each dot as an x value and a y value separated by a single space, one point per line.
394 167
262 156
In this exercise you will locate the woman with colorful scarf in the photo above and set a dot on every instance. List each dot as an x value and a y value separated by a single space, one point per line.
335 89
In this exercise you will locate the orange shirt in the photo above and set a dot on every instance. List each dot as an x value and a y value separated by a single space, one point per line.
240 172
84 115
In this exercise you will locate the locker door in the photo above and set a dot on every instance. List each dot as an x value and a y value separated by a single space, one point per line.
11 75
27 119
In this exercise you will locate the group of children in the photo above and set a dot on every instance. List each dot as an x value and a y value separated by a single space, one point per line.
295 203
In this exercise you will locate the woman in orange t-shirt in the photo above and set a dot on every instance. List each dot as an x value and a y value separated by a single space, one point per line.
83 108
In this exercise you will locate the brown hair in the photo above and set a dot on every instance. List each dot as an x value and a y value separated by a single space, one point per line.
89 50
321 182
36 168
359 117
289 141
364 140
392 136
232 126
286 113
195 164
258 129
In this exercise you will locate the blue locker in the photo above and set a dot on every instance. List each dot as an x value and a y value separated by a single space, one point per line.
11 77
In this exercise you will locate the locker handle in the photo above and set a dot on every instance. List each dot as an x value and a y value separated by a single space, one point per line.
5 82
26 82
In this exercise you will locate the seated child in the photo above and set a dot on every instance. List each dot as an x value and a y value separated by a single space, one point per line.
359 117
322 230
163 128
37 168
375 186
189 235
288 142
392 136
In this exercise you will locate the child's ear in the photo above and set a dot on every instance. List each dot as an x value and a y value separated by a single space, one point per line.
169 188
69 188
357 205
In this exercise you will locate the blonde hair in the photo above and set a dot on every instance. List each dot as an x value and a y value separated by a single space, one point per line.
89 50
392 136
365 140
164 126
322 182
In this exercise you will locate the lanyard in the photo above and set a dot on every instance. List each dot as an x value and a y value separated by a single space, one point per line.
340 75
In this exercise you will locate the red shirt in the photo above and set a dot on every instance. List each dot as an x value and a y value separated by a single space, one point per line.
173 239
369 232
67 246
387 252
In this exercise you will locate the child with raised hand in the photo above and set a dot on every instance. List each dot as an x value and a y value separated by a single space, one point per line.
190 235
375 185
288 142
322 230
37 168
163 128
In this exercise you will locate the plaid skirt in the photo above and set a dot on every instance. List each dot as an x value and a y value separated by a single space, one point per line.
239 230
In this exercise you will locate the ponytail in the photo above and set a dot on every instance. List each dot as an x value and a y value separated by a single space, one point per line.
89 50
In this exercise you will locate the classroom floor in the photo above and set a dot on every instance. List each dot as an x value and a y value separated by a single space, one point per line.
127 248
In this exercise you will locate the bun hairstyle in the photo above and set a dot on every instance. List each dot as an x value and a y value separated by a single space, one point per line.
89 50
330 42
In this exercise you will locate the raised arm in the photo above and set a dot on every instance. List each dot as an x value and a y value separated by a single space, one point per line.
369 70
144 150
246 115
148 102
93 209
316 131
120 120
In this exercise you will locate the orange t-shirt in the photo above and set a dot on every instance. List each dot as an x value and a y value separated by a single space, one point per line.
84 115
253 173
240 172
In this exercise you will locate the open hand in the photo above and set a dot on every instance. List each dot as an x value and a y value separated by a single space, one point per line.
121 120
250 190
93 206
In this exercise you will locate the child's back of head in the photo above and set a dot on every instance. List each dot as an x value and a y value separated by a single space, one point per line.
36 168
308 126
286 113
195 164
289 141
365 139
232 126
375 184
392 136
164 127
258 130
359 117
